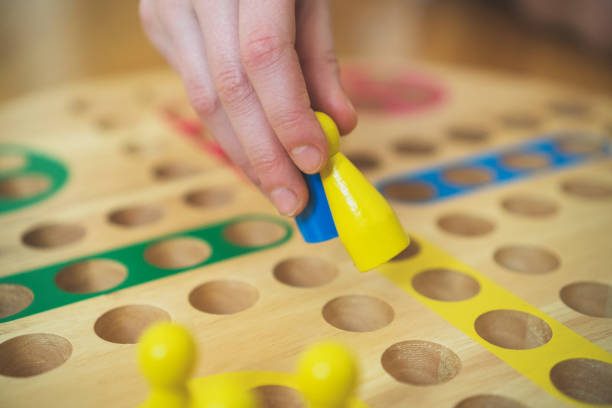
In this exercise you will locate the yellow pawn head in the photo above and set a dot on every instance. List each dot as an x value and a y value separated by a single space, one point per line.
166 354
367 226
221 393
327 375
331 132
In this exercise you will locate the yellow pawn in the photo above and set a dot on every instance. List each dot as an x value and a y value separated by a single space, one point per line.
166 354
366 223
222 393
327 376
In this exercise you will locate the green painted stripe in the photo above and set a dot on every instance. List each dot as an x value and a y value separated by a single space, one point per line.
48 296
36 163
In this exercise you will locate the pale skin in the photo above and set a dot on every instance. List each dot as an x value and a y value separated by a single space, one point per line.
254 71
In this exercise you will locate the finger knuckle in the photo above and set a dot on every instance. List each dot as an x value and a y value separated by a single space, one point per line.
233 84
266 163
204 100
263 50
288 121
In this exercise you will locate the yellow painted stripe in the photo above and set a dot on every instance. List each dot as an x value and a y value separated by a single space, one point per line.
535 363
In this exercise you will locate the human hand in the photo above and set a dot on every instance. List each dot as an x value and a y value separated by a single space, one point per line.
254 70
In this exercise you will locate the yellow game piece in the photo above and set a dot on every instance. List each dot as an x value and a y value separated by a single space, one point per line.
327 375
366 223
222 393
167 353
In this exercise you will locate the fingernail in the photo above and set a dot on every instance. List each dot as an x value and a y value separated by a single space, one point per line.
307 158
285 200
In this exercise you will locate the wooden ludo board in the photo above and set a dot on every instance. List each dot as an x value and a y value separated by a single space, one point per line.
116 212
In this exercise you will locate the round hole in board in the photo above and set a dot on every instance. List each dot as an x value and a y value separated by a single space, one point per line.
106 123
305 272
143 147
136 215
24 186
78 105
529 205
520 121
526 161
589 298
527 259
90 276
125 324
358 313
581 143
569 107
174 170
11 161
53 235
278 396
445 285
584 379
208 197
254 233
468 134
364 161
177 253
419 362
14 299
489 401
465 225
33 354
467 176
411 191
223 297
513 329
591 189
414 147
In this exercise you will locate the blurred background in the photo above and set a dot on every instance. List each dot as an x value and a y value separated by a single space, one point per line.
49 42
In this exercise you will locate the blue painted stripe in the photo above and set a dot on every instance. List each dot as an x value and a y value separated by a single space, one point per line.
492 162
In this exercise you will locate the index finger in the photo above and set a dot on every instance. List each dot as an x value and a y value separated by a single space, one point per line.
267 46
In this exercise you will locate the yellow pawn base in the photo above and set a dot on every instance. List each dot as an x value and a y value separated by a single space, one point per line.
366 223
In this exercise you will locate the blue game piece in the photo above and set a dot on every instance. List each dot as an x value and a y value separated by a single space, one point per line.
315 222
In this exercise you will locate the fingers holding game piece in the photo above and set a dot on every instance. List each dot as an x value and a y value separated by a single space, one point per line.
327 375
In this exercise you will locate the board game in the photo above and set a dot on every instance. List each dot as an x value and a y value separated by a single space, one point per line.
117 210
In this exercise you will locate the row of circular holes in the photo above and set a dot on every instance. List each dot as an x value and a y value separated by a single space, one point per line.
97 275
55 235
357 313
415 191
574 143
471 176
24 186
